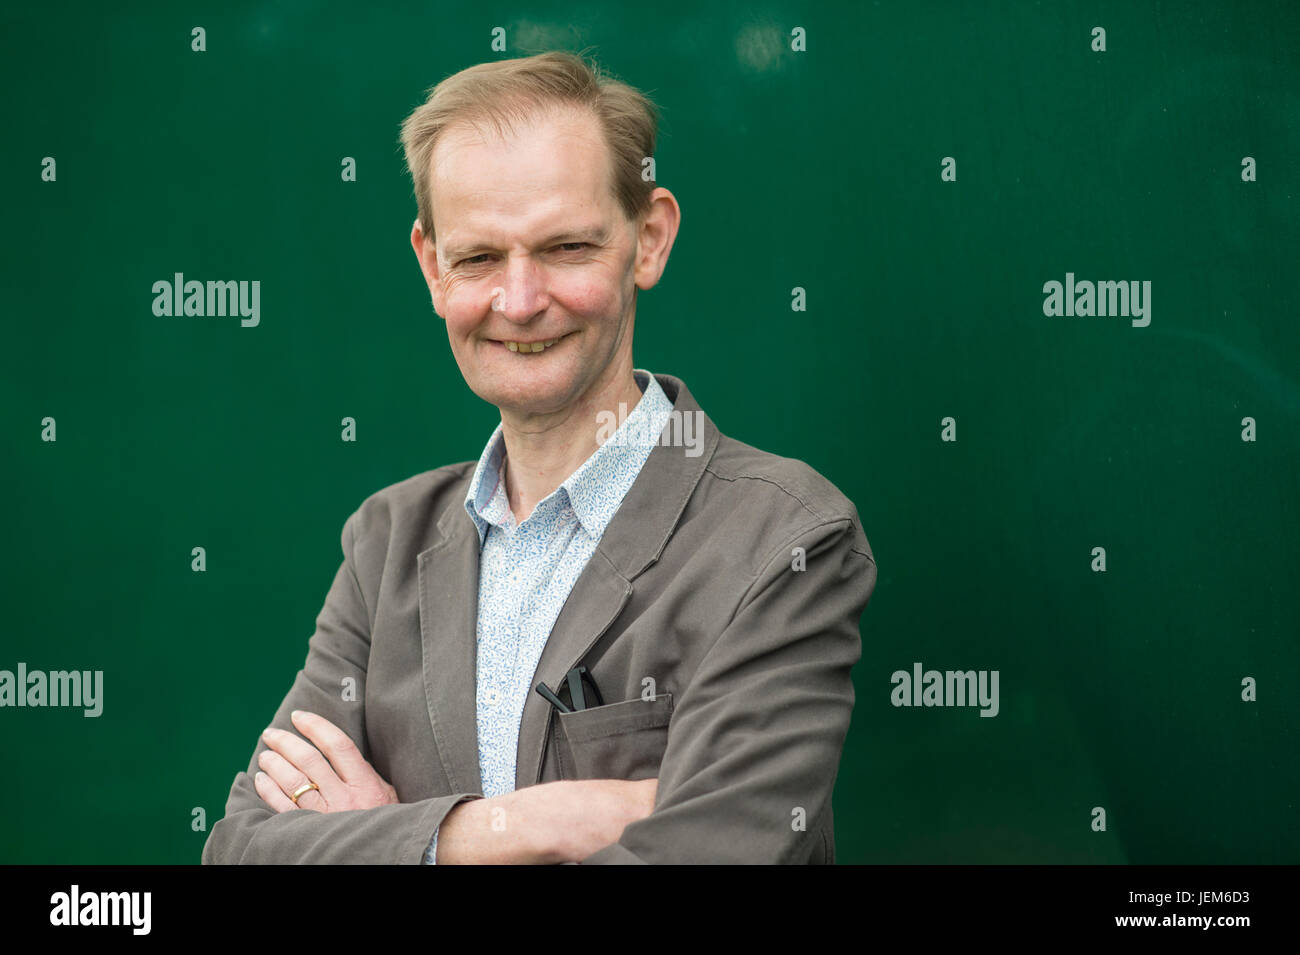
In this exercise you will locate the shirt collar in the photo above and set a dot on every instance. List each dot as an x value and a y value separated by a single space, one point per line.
597 488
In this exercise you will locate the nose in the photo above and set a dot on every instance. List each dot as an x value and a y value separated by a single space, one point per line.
522 293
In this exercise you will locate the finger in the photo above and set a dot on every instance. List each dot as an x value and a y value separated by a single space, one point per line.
272 794
290 779
305 758
337 746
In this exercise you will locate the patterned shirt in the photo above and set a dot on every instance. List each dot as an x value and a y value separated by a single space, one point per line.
527 570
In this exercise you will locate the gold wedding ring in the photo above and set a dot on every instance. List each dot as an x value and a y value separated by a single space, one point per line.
305 787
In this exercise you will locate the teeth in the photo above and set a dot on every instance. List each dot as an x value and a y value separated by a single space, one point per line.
527 347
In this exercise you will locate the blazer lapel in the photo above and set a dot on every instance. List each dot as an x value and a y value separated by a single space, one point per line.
449 634
633 539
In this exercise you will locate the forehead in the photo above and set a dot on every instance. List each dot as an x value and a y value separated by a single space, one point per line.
547 165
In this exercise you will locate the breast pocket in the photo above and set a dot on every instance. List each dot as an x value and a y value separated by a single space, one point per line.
616 741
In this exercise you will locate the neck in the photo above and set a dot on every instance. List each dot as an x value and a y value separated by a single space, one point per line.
541 451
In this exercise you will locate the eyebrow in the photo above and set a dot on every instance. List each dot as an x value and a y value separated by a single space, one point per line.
595 234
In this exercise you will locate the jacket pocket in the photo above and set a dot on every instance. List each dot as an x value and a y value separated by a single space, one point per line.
623 740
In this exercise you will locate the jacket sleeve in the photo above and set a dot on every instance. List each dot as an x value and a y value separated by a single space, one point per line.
252 832
755 739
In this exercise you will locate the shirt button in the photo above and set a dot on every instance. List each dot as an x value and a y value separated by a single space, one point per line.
492 698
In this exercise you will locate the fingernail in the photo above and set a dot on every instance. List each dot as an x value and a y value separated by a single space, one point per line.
267 732
295 714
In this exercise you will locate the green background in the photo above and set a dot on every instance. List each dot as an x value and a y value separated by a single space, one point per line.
818 169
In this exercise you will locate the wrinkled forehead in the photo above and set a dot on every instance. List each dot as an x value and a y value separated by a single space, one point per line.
531 171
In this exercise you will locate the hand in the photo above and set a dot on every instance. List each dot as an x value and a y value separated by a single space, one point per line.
346 780
562 821
596 811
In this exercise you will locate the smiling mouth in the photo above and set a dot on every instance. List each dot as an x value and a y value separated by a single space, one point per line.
532 348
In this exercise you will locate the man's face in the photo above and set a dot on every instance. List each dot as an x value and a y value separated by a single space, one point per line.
532 246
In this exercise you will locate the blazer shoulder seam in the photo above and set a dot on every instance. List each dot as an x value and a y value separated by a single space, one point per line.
766 480
821 516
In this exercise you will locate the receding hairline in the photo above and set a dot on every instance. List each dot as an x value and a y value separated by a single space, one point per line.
497 98
484 128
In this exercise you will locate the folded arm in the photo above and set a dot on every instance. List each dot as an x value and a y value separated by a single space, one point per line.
354 817
756 737
253 832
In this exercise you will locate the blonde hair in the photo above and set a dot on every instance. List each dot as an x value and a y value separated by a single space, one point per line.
520 89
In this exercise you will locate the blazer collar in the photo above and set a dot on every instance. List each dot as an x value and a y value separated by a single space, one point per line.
632 541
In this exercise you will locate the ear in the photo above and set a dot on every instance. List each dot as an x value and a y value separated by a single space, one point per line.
426 253
655 235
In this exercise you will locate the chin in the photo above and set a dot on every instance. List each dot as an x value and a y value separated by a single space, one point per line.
521 395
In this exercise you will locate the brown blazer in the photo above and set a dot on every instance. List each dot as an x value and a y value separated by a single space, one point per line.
733 579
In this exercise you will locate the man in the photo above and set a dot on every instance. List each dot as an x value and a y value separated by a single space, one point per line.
616 637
